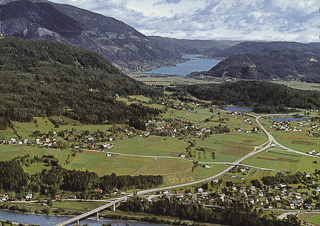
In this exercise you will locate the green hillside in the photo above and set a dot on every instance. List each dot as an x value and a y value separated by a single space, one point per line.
40 78
263 96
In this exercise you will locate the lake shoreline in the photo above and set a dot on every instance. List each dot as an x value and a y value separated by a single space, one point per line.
193 63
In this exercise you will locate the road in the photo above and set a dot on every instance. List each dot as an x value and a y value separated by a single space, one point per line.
271 140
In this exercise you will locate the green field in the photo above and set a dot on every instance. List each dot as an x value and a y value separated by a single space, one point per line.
77 205
152 146
167 80
229 147
314 219
282 160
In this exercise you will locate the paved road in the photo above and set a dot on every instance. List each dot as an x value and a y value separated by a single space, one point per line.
268 144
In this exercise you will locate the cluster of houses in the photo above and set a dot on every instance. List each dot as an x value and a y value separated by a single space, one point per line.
171 129
313 152
278 197
285 126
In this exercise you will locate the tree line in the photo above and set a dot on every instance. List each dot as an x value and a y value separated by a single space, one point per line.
262 96
51 181
235 214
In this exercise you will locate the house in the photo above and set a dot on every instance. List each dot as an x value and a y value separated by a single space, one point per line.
211 202
279 204
217 181
207 166
73 196
283 185
200 190
109 154
277 198
29 196
242 170
90 138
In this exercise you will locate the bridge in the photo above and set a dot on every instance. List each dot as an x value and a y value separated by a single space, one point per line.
94 211
265 146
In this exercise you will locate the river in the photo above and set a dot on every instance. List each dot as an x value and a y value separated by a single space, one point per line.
51 220
195 63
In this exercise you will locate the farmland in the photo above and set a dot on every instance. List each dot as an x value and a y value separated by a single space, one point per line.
188 142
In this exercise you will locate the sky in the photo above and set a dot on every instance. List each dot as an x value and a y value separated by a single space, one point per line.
271 20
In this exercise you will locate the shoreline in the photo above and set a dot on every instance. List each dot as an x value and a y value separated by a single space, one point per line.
123 216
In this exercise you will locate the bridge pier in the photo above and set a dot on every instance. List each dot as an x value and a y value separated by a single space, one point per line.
113 207
78 222
97 216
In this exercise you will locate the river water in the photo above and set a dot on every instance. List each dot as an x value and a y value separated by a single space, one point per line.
194 64
51 220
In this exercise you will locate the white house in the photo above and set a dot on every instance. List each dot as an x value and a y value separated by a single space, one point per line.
29 196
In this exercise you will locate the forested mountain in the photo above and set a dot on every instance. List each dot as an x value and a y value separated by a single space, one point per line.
264 97
257 47
118 42
299 65
184 46
40 78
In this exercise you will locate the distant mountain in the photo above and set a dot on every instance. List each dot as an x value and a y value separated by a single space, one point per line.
118 42
184 46
257 47
299 65
41 78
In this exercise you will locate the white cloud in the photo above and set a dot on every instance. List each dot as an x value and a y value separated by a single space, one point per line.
290 20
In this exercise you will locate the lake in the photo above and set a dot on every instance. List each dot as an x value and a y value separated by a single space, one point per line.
194 64
287 119
51 220
238 108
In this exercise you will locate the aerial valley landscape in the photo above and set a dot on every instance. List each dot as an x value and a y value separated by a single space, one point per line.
158 113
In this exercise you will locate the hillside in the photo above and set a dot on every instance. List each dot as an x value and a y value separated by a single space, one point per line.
40 78
289 65
257 47
184 46
116 41
264 97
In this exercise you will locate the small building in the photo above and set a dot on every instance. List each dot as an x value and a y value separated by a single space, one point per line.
29 196
182 155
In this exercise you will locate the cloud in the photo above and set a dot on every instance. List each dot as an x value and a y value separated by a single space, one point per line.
287 20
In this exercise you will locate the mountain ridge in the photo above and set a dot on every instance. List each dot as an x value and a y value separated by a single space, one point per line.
290 65
115 40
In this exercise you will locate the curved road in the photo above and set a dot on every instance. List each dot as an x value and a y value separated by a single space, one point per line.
237 162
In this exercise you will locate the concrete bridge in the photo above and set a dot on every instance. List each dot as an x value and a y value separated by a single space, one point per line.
94 211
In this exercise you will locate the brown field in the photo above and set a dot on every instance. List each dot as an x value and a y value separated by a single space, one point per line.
248 141
165 167
306 216
265 173
303 142
281 153
277 159
235 152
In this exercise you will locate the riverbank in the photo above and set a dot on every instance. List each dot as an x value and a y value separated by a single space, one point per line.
107 216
